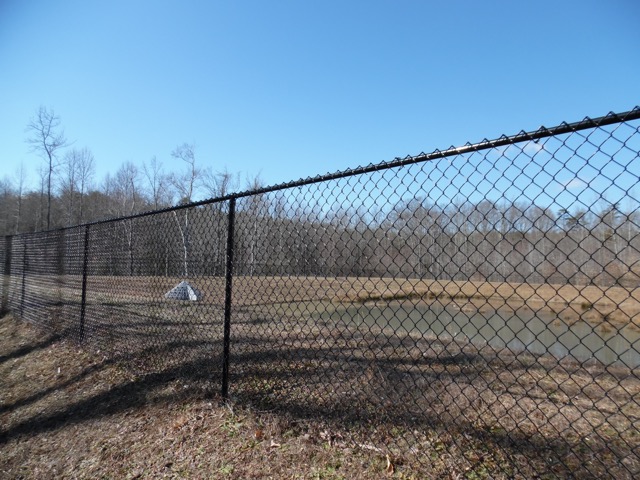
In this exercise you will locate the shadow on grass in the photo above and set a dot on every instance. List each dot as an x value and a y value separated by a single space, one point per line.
365 386
27 349
133 394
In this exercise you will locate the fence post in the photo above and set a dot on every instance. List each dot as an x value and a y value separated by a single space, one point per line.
6 277
24 272
83 302
227 300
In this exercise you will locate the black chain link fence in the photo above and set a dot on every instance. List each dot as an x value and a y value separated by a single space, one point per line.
474 312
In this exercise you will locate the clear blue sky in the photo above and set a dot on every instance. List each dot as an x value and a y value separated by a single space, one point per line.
290 89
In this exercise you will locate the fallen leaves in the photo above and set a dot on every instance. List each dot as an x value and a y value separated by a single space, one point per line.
180 422
390 469
275 444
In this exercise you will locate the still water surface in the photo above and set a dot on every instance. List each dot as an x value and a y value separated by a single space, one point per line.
521 331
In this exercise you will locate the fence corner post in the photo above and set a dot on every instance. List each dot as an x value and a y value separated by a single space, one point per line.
227 299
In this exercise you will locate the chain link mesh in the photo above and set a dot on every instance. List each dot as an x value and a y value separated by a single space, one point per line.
473 311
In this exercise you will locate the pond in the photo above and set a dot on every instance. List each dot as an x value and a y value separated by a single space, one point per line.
519 331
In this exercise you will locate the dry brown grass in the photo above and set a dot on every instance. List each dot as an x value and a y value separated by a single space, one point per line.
402 410
315 399
71 413
570 303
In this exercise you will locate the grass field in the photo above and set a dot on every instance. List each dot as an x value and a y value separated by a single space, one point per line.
570 303
348 400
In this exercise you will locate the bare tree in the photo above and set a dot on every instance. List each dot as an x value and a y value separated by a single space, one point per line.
42 174
125 190
68 181
255 210
46 139
158 186
86 171
77 173
216 185
12 200
21 178
128 201
219 184
186 184
6 197
157 182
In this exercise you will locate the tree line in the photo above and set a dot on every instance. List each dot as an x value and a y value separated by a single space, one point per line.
302 232
280 234
67 191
